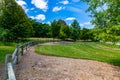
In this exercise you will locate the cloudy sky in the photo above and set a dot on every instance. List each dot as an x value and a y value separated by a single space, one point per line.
48 10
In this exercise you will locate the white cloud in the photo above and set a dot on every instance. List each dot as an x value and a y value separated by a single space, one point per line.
55 9
26 10
70 18
81 24
32 8
49 23
85 24
74 9
32 17
41 4
64 2
103 7
22 4
39 17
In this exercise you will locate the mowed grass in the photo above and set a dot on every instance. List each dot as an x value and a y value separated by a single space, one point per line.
6 48
85 50
42 39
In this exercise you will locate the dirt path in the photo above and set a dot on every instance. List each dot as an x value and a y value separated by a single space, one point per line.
2 70
38 67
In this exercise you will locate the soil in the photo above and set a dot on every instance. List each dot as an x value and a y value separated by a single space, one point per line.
2 71
33 66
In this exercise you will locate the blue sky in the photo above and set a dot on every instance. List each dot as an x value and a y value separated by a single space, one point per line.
48 10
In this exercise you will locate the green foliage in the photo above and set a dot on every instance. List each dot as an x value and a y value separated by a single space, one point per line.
64 30
75 30
3 34
86 34
106 18
114 33
55 29
41 30
6 48
85 50
108 34
14 19
58 29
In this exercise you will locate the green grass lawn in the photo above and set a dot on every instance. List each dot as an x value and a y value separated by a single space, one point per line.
6 48
85 50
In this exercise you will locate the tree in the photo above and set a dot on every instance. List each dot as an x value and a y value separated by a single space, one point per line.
114 34
75 30
55 29
14 20
105 14
86 34
64 30
3 34
40 29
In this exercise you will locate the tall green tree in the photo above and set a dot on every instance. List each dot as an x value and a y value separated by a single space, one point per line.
55 29
86 34
75 30
64 30
40 29
105 15
14 20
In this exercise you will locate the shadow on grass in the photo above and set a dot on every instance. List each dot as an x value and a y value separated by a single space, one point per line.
115 62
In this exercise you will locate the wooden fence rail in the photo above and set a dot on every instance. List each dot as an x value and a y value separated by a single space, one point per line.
13 59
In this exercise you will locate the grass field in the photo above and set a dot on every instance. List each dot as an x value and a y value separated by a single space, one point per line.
85 50
42 39
6 48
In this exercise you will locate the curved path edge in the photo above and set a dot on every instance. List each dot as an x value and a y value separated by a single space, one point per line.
39 67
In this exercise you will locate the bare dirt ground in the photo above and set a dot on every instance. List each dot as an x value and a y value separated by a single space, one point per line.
39 67
56 43
2 70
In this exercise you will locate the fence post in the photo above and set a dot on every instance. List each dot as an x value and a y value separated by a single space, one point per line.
17 54
7 59
12 60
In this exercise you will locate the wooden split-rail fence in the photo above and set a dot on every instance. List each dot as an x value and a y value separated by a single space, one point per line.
13 59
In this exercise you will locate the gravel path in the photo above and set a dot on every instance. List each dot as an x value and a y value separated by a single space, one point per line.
39 67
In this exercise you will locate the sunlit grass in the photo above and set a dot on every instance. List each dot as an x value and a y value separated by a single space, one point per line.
6 48
42 39
84 50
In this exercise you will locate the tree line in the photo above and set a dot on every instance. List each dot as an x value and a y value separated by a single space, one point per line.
15 25
59 29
